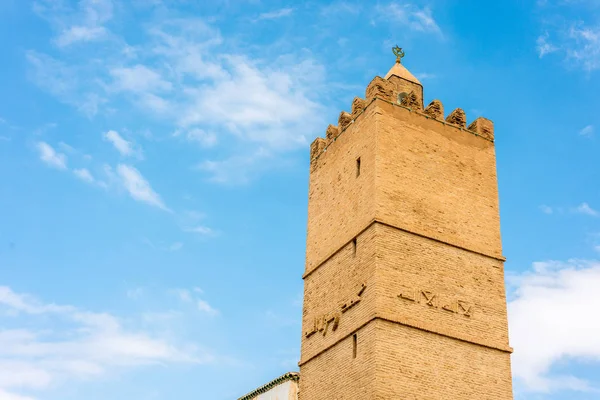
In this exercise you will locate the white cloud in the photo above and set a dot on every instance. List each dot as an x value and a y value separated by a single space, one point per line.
584 46
423 76
576 41
236 169
75 34
200 230
84 174
266 106
175 246
205 139
182 294
546 209
51 157
135 293
204 307
138 187
584 208
123 146
64 344
543 46
66 147
410 16
66 82
11 396
139 79
188 296
186 76
284 12
551 321
77 25
587 131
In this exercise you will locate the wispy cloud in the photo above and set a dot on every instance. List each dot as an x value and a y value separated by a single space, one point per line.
587 131
284 12
410 16
584 208
64 82
138 187
584 47
200 136
571 34
236 169
85 23
175 246
135 293
139 79
546 209
124 147
204 307
69 344
191 297
540 337
51 157
543 46
84 174
200 230
423 76
184 75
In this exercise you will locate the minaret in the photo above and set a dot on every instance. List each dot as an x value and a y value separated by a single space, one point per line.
404 292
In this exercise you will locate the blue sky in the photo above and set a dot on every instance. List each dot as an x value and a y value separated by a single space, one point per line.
153 180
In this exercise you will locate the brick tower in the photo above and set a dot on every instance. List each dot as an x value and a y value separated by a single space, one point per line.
404 285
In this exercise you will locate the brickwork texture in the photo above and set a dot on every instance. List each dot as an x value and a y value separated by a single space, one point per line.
404 283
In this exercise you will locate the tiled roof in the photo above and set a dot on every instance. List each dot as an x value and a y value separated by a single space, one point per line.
290 376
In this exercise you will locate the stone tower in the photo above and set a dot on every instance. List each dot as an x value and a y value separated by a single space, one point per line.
404 285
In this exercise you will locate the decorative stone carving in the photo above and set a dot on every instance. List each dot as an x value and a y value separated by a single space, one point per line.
457 117
358 105
435 109
317 147
332 132
411 101
381 88
483 127
344 120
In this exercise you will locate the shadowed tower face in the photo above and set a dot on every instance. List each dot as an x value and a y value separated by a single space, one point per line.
404 285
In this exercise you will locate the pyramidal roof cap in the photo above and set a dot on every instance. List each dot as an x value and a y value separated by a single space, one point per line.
400 71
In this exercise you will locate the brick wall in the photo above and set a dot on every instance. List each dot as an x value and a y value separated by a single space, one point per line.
422 288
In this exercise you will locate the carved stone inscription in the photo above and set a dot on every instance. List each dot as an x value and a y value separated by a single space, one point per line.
435 300
323 322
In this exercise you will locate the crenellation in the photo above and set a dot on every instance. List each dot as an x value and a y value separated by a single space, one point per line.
358 106
457 117
411 101
435 110
381 88
317 147
483 127
344 120
332 132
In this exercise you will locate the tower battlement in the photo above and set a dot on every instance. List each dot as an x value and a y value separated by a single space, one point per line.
389 90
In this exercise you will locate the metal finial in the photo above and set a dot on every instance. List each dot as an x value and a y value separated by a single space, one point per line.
398 53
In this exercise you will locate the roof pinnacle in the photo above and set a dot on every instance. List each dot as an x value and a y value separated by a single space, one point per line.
398 53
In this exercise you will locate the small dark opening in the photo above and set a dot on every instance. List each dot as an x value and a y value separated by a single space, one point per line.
354 345
354 247
401 97
358 166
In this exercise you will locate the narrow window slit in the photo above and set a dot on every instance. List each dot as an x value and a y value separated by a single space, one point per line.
354 345
354 247
358 167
